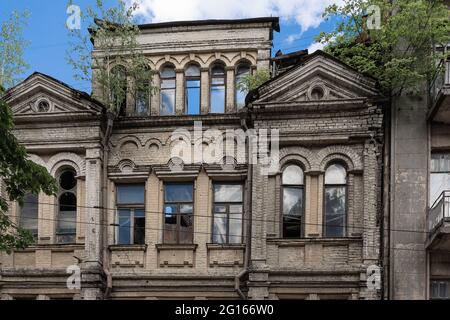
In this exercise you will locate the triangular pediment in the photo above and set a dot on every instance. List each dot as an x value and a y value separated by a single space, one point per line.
44 95
319 78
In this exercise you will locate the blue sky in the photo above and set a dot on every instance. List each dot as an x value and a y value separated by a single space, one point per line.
49 40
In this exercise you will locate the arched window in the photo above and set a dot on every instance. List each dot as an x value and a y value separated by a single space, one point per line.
67 207
335 201
293 201
242 70
118 87
142 93
168 87
217 89
192 95
29 214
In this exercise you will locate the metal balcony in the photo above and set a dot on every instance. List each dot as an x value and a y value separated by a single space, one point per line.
438 220
439 94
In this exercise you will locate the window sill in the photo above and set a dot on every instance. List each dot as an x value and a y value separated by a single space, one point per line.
217 246
301 242
128 247
167 246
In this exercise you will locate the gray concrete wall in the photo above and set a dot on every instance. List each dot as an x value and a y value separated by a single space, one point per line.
409 197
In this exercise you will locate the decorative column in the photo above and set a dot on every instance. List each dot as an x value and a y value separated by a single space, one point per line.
155 98
371 235
92 270
230 98
179 93
258 285
204 91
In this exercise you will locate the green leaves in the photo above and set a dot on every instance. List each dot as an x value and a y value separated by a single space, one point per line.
12 46
112 41
253 81
399 54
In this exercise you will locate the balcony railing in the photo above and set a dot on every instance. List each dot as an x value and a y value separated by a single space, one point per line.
439 212
441 79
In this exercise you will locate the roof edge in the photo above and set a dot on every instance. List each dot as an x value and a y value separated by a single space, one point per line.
274 20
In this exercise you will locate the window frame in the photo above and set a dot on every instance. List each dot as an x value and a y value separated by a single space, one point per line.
227 204
432 173
192 78
124 105
211 86
132 207
161 79
250 72
60 193
148 99
345 186
178 214
34 232
303 193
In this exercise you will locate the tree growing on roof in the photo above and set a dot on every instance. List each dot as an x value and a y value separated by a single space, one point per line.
111 41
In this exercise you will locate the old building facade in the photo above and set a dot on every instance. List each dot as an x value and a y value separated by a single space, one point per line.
141 223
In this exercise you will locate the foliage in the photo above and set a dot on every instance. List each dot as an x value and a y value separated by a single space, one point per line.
112 40
252 81
12 47
399 52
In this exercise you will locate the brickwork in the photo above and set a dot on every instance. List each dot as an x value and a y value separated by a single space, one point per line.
313 134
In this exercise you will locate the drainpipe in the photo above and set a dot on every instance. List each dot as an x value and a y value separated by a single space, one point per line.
109 125
244 271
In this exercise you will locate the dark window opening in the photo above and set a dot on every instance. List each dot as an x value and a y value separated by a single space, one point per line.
67 207
179 213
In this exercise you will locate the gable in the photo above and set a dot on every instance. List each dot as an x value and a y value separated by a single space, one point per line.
43 95
320 78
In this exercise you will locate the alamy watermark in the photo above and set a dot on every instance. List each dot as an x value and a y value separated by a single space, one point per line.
74 280
225 148
73 22
373 280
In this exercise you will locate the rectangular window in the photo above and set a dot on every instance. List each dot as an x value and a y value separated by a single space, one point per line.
228 212
168 97
292 212
179 213
142 103
131 214
440 290
335 211
29 214
439 176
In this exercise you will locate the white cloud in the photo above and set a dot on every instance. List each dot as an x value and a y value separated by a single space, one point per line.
306 13
315 46
292 38
319 46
